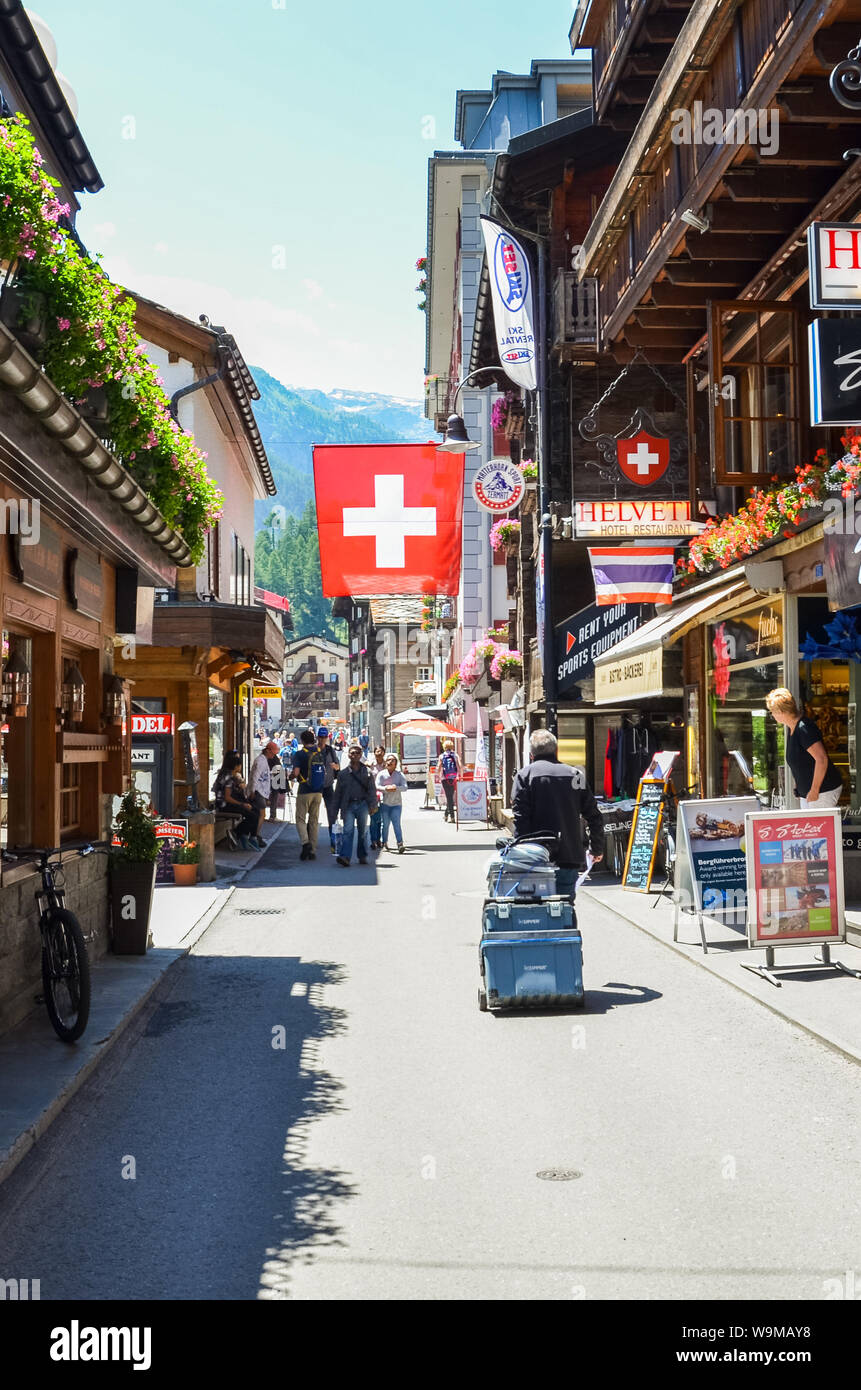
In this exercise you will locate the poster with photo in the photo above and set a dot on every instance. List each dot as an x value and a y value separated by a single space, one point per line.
794 877
711 849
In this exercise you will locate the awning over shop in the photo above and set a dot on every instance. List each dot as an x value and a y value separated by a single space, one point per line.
634 668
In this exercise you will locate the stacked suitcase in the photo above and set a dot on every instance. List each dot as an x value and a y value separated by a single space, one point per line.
531 951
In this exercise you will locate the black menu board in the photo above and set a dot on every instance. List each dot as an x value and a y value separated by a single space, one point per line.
643 841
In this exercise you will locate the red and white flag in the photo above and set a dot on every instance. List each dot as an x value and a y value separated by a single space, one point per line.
389 517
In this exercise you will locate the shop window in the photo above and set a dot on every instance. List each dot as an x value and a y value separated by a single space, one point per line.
755 391
16 764
746 661
70 799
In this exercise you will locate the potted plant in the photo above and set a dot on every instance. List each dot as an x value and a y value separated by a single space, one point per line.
185 861
133 875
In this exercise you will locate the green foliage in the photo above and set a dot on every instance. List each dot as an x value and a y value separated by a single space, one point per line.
189 853
136 829
91 341
288 562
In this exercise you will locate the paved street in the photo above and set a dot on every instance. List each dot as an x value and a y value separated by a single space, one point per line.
390 1149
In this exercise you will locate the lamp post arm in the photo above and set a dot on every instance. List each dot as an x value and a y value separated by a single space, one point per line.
468 377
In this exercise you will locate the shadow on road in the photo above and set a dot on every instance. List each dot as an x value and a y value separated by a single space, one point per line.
596 1002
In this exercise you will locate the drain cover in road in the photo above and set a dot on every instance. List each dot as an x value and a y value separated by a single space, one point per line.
260 911
558 1174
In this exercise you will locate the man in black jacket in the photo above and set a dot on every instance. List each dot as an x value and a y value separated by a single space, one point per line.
551 796
355 799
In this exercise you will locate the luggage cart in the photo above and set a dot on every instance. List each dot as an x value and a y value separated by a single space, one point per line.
531 951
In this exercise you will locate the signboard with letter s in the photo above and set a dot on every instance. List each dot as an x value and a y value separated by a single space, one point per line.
794 877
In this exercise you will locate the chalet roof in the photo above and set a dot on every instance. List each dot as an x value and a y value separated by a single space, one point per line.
393 611
216 341
43 93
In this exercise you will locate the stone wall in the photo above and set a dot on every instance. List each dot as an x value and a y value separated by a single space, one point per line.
20 940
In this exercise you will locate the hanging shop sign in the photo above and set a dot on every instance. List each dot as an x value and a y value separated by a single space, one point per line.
835 371
631 518
268 692
643 458
834 260
589 634
498 486
631 678
152 723
39 566
511 292
794 877
645 830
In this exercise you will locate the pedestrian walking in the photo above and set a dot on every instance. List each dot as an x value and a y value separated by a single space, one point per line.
355 801
448 770
331 766
390 785
260 786
310 773
231 795
364 742
376 826
277 783
551 796
817 780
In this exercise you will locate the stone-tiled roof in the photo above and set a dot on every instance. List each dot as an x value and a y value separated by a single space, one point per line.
395 611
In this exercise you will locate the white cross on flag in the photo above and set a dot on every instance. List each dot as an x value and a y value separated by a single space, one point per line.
643 458
389 518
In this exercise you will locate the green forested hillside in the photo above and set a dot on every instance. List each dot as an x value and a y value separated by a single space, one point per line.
287 561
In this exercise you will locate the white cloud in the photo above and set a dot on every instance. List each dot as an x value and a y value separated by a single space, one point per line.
312 289
161 247
103 231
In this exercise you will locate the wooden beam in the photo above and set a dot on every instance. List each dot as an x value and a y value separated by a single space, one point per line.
713 246
659 357
830 45
661 316
646 62
807 149
720 274
759 184
623 119
735 219
665 295
661 337
662 28
811 101
634 91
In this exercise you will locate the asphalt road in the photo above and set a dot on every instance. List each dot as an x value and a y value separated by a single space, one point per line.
390 1147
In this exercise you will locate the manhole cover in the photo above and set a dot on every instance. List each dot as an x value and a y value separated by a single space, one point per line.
558 1174
260 911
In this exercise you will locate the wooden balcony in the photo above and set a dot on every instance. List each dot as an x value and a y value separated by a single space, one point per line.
630 42
655 272
575 313
247 628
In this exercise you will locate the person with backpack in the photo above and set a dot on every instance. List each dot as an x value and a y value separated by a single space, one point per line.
309 770
331 767
551 796
448 770
355 799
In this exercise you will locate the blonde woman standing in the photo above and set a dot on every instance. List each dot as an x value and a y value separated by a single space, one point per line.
448 771
817 781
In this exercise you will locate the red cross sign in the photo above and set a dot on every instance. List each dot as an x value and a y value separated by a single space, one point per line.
643 458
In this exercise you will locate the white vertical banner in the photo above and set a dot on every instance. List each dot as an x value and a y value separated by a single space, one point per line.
513 303
480 774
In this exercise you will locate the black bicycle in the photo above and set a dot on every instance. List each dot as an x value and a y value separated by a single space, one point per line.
65 966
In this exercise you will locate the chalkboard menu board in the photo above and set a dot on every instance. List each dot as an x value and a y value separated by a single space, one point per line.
643 842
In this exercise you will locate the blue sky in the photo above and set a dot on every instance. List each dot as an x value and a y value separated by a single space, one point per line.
288 124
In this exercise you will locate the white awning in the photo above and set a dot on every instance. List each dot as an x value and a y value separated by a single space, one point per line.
633 668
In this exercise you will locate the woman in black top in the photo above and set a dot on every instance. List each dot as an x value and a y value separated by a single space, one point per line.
817 781
231 795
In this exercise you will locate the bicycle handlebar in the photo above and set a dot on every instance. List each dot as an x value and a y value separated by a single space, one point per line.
84 848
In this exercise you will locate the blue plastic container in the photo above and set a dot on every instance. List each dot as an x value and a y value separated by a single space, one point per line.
541 970
548 915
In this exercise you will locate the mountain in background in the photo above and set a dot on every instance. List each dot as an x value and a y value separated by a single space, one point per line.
291 419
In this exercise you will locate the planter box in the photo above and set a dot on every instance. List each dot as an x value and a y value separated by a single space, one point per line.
185 875
132 888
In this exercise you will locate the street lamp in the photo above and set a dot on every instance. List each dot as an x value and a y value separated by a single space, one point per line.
457 441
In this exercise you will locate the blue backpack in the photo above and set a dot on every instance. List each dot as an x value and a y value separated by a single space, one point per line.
316 779
449 766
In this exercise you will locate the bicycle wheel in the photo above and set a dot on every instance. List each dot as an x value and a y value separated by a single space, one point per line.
65 975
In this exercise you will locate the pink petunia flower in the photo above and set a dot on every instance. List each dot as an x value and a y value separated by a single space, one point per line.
63 324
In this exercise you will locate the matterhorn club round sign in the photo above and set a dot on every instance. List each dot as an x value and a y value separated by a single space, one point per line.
498 486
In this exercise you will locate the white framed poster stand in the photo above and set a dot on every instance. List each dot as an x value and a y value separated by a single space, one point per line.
711 864
795 887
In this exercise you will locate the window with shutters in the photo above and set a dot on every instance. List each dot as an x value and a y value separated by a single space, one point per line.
755 385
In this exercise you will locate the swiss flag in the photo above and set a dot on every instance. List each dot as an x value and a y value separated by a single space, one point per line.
389 518
643 458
